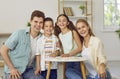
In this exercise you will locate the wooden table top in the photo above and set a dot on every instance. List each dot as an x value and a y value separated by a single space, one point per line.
65 59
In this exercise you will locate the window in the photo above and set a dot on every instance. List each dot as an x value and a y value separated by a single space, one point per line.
111 13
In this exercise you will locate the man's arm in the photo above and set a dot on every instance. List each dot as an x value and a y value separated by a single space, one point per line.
4 53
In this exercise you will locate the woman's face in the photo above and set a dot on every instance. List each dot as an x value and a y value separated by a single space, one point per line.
82 29
62 22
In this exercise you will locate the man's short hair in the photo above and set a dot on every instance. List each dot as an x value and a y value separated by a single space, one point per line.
37 13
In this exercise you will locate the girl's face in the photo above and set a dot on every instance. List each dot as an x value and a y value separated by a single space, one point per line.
82 29
62 22
48 28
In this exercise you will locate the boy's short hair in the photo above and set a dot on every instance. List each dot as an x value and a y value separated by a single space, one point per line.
48 19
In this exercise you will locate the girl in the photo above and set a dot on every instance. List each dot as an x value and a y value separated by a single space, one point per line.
94 51
71 44
47 46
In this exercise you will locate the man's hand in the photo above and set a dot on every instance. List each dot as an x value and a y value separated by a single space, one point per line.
15 74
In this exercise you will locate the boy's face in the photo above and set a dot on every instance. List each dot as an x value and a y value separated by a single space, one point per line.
48 27
36 24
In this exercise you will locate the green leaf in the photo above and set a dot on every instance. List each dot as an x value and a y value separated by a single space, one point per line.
28 24
82 7
118 32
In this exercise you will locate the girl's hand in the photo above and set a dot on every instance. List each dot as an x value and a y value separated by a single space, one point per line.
37 71
102 71
65 55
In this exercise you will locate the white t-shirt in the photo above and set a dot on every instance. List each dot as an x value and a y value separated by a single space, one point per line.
91 70
33 42
45 47
68 42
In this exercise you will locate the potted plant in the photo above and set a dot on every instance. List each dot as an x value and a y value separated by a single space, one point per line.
82 7
28 24
118 32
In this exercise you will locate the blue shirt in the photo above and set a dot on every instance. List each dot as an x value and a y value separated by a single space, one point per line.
20 48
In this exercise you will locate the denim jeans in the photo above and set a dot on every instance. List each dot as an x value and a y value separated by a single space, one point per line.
97 77
53 74
28 74
73 70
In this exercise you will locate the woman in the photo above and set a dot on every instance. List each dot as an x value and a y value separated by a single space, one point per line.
94 51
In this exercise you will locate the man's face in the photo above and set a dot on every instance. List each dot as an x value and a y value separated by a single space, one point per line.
36 24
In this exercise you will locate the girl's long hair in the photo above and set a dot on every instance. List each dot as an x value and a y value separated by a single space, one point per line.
70 26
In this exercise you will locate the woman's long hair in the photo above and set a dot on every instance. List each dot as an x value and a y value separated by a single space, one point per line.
90 30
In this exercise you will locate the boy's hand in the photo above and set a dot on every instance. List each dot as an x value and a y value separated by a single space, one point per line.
53 55
37 71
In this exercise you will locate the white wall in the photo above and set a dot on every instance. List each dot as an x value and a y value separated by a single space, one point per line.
109 38
15 14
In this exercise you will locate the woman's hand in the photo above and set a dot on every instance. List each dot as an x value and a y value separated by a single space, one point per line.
102 71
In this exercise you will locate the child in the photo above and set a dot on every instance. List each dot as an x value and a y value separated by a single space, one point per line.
94 51
71 44
47 46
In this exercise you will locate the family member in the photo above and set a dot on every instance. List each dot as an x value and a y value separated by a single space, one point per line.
71 44
47 46
93 49
19 50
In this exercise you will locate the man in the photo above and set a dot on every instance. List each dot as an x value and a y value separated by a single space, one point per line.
18 51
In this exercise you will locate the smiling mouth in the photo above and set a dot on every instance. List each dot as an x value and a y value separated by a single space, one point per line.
48 30
61 26
38 28
82 33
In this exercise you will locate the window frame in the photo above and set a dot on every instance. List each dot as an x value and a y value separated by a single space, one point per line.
111 27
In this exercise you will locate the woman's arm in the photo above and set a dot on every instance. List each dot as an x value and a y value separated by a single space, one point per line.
100 53
101 59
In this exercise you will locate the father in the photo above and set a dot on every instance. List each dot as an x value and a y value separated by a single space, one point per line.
18 51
